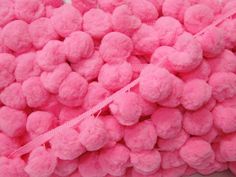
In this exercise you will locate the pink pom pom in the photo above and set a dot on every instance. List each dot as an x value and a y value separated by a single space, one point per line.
168 122
227 148
89 166
126 109
198 17
66 167
72 90
155 83
78 45
157 4
34 92
196 93
52 54
90 67
160 57
66 145
96 94
214 167
171 159
231 102
202 72
3 48
114 129
224 62
168 30
144 10
146 162
12 122
52 106
12 167
188 55
109 5
26 67
7 68
16 36
225 118
84 5
227 5
124 21
215 5
13 96
115 47
145 40
141 136
228 27
93 134
114 160
197 153
175 8
174 99
29 10
115 76
39 122
66 19
210 104
173 144
41 32
6 12
52 80
97 23
198 123
216 43
41 163
223 85
211 135
147 107
7 145
138 64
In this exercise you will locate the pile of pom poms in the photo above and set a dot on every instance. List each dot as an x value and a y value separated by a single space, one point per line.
59 60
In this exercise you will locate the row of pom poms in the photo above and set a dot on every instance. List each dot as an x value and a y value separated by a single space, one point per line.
59 60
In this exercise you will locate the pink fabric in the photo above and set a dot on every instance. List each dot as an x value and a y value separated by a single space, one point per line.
117 88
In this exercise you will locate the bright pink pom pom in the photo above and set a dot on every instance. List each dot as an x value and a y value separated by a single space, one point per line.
39 122
168 122
29 10
93 134
66 145
72 90
12 121
13 96
41 163
114 160
78 45
126 109
66 19
89 166
142 136
41 32
16 36
36 95
97 23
